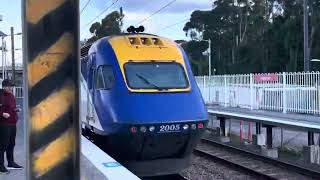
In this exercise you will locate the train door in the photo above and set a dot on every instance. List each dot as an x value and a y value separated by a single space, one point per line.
103 83
90 92
84 90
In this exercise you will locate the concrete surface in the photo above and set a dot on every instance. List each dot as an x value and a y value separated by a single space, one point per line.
272 153
311 154
20 157
225 139
291 138
302 122
259 139
88 170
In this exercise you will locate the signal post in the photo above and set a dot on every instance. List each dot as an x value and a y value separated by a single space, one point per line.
51 86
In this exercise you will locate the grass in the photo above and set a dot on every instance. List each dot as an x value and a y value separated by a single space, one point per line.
290 152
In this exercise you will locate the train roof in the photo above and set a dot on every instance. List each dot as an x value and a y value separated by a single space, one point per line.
133 39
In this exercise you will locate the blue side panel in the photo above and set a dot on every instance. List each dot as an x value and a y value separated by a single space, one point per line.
118 106
103 98
192 79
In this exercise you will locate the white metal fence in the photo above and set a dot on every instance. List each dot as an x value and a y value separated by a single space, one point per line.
18 92
286 92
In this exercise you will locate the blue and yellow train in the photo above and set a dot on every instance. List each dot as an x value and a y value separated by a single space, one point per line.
140 100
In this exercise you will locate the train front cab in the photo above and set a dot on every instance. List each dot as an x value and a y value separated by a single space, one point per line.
153 113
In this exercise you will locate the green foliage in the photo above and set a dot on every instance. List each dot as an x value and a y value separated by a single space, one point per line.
290 152
198 61
252 36
110 25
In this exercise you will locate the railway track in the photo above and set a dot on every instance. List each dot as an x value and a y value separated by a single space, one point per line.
167 177
262 167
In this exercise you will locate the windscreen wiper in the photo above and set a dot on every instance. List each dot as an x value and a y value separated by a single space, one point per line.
148 82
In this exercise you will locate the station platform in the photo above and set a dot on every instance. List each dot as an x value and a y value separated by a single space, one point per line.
88 170
95 164
296 121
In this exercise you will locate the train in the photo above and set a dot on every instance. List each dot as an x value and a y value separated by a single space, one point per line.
140 102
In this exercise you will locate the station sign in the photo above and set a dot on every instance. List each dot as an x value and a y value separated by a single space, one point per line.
266 78
111 164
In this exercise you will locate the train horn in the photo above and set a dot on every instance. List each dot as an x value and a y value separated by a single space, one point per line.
133 29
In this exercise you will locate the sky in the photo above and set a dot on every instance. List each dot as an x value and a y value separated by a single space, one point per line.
134 10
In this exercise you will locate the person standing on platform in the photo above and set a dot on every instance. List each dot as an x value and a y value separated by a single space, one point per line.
8 126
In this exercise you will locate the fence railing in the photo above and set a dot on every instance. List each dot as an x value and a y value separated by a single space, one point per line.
286 92
18 92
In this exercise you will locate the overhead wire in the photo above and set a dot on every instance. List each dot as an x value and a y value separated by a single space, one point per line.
105 10
172 25
5 24
156 12
85 6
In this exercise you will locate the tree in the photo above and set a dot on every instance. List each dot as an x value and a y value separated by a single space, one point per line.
110 25
315 32
196 58
254 35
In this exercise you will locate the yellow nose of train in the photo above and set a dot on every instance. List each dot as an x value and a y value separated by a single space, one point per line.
146 48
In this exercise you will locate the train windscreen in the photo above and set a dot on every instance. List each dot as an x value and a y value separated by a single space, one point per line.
156 75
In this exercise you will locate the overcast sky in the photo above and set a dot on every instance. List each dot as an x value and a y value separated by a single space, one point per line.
137 10
134 10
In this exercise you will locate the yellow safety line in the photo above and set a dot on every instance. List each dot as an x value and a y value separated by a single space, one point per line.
48 61
54 154
37 9
53 107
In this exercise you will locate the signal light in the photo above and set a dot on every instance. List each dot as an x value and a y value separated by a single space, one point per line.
193 126
132 40
152 128
200 126
185 127
133 130
143 129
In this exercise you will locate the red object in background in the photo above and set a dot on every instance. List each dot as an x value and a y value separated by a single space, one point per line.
266 78
241 122
133 130
249 132
200 126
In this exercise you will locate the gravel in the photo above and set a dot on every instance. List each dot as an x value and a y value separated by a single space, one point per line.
203 169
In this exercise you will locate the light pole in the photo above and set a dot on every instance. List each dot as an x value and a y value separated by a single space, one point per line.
209 54
306 36
5 61
12 52
316 60
2 35
3 48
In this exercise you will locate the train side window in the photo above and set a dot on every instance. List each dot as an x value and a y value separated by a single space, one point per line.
90 69
104 78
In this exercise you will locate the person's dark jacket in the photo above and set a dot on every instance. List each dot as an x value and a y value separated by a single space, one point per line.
8 102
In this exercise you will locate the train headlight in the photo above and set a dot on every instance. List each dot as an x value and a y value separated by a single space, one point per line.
193 126
152 128
143 129
186 127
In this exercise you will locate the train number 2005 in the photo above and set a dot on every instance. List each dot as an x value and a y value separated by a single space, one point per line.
168 128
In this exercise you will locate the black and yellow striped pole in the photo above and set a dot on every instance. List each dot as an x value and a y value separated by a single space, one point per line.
51 60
